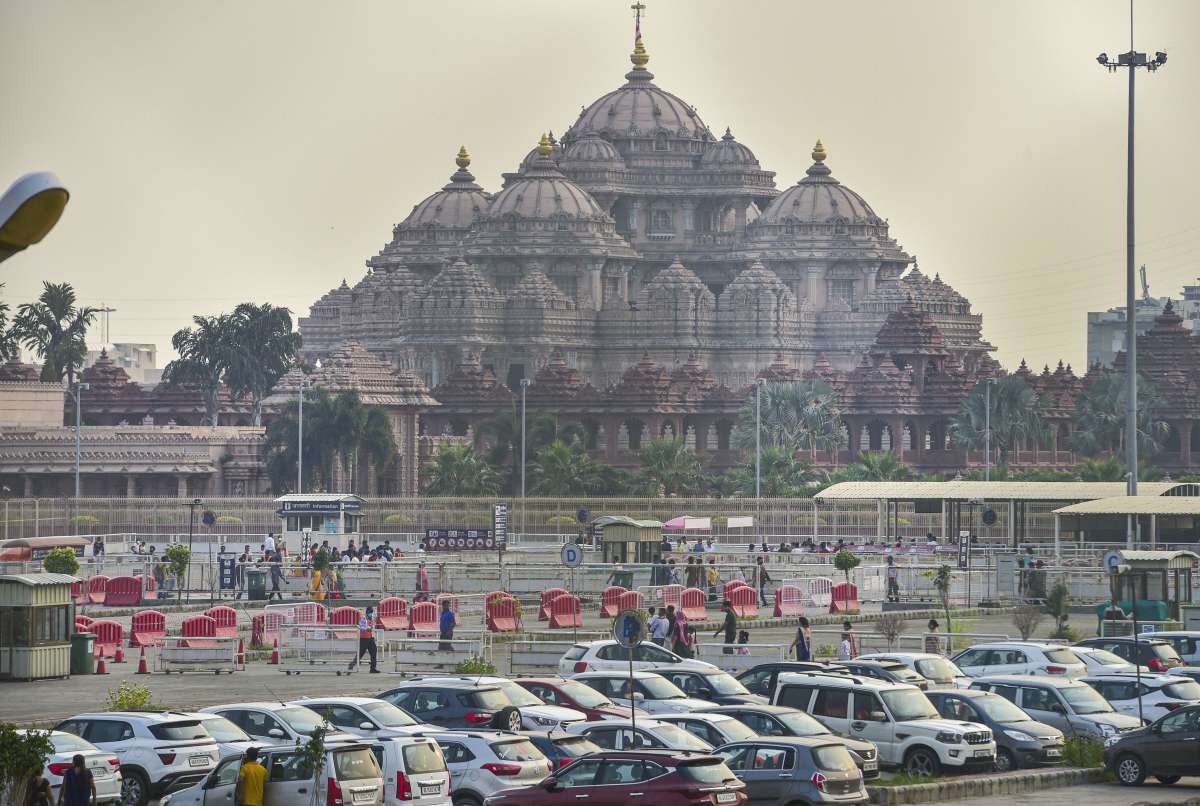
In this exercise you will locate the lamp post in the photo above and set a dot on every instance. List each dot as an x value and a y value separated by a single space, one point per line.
524 386
79 389
304 385
758 385
29 209
987 419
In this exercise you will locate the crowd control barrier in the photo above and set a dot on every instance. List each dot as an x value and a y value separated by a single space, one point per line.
744 600
110 636
148 628
610 601
96 586
199 631
692 602
501 613
321 648
226 619
564 612
548 595
789 601
393 614
180 654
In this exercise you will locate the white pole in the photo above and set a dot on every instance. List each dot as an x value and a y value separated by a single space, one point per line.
987 446
300 445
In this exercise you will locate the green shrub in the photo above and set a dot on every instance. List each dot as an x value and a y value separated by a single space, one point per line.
399 519
61 561
131 697
21 755
228 519
475 665
1081 752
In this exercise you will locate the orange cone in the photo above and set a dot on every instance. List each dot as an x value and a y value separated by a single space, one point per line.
100 667
241 653
119 656
275 653
142 668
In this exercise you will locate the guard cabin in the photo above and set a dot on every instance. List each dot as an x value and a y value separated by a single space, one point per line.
320 516
627 540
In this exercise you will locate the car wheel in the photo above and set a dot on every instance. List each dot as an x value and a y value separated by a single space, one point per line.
507 718
135 790
1005 760
922 761
465 800
1130 770
1167 780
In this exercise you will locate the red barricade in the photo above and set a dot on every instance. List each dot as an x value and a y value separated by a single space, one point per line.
123 592
83 621
345 616
198 628
96 586
632 600
109 636
392 614
548 596
147 628
744 600
789 601
79 592
564 611
692 602
423 617
845 598
149 586
733 585
610 600
226 618
500 613
670 595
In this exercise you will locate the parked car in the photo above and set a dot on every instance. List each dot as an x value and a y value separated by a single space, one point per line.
1186 644
787 770
366 717
896 717
351 776
457 704
651 692
414 771
761 679
277 723
1155 654
577 696
232 740
624 734
535 714
716 729
594 656
160 752
1161 693
1187 671
939 671
1166 749
888 671
658 777
1020 740
775 720
1100 661
717 686
482 763
1020 657
105 766
1072 706
560 747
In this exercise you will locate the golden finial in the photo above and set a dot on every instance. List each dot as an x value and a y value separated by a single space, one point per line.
819 153
544 147
463 159
639 57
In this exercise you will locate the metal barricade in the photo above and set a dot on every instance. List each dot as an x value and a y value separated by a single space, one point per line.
422 655
739 657
322 648
217 655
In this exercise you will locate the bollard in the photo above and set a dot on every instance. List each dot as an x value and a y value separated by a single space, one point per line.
275 653
142 668
101 668
241 653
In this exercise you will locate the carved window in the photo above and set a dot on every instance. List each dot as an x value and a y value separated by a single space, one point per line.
843 289
660 221
661 144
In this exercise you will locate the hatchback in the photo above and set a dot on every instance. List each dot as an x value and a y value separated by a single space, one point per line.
275 722
716 729
414 771
1185 642
776 720
1100 661
1072 706
1160 693
888 671
575 695
482 763
611 656
790 770
1020 741
561 748
761 679
624 734
367 717
1153 653
940 672
535 713
1020 657
1165 749
457 704
719 687
651 692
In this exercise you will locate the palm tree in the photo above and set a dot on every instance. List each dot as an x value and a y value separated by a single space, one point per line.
669 467
799 415
262 347
56 330
1100 418
1016 417
1105 469
459 471
500 435
10 345
781 476
564 468
205 354
875 466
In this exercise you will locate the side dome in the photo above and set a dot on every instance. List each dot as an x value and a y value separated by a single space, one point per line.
556 155
456 205
542 192
819 198
592 151
728 153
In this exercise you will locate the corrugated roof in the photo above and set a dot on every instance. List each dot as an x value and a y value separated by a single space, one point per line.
1135 505
625 520
988 490
35 580
319 497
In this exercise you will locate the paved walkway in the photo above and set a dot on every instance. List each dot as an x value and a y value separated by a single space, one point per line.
1186 791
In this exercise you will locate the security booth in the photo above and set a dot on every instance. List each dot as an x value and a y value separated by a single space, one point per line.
627 540
35 626
1156 583
320 516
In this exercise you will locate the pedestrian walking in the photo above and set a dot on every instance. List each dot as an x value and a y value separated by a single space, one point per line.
671 628
239 571
743 639
446 624
366 640
422 583
252 777
276 577
98 552
694 572
729 627
78 787
268 546
658 627
846 647
683 640
803 642
933 642
761 578
893 580
848 633
673 572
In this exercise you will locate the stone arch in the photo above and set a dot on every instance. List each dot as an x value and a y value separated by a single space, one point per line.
724 434
630 435
912 433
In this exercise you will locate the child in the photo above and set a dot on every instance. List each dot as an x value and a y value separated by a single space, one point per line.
743 638
844 650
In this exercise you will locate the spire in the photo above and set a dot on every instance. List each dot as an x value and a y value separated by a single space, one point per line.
819 168
462 178
728 136
639 57
819 153
463 159
545 147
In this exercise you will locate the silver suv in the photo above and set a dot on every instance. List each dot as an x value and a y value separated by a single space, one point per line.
790 769
484 762
1072 706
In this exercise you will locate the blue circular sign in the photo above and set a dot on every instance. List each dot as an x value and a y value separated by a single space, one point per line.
629 628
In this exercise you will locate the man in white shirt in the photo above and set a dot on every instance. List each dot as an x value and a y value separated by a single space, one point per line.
658 627
268 545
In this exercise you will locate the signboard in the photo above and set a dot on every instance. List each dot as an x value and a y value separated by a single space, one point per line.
1112 561
41 552
458 540
500 526
1147 628
228 580
964 551
572 555
989 517
629 629
318 507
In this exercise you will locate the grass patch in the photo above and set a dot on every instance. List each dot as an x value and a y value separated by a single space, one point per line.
904 779
1081 752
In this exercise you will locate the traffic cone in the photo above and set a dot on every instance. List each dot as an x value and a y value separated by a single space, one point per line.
101 668
119 656
241 653
275 653
142 668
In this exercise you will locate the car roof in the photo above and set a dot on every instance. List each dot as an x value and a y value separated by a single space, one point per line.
762 708
1124 639
1150 677
263 705
1018 645
971 693
146 716
646 722
840 680
335 700
675 755
898 656
453 684
1177 633
1028 680
616 673
802 741
703 716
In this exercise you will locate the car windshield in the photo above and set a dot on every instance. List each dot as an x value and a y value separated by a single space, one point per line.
517 695
801 724
1062 656
586 696
678 739
491 698
1183 691
725 684
423 757
1165 652
355 764
388 715
834 758
734 730
996 707
179 731
905 674
223 730
1084 699
520 750
70 743
939 670
576 746
908 704
705 771
659 688
1103 657
302 720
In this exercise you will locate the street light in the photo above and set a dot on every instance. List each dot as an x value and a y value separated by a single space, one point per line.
28 210
524 385
79 389
305 383
758 385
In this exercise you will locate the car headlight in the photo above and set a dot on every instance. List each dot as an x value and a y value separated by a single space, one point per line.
545 720
1018 736
1106 729
164 800
1111 740
949 737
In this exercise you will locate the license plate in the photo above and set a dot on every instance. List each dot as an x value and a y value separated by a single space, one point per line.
727 797
430 789
870 766
199 761
1053 751
983 754
363 797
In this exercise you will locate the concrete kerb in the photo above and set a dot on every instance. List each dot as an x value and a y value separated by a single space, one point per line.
978 786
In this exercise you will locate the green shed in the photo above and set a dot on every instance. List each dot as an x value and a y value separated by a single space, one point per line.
626 540
35 626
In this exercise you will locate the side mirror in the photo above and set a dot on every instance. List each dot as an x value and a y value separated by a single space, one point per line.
549 784
638 696
878 716
366 726
275 733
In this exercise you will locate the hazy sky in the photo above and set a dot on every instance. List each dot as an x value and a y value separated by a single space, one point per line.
223 151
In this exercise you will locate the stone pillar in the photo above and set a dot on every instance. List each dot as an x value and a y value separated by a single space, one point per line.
688 223
739 214
131 486
28 486
815 298
1185 445
596 284
181 486
635 214
623 283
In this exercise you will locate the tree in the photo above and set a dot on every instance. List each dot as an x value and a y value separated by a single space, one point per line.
1107 468
942 578
500 436
22 755
563 468
205 354
781 475
55 328
669 467
1026 619
797 415
846 561
61 561
178 557
1016 417
1100 418
10 344
1058 605
875 466
459 471
262 347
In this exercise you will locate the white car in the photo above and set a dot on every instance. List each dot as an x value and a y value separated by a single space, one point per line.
160 752
482 763
939 671
1101 662
277 723
603 656
643 734
536 714
414 772
232 740
367 717
1038 658
1185 642
652 692
105 767
1161 693
716 729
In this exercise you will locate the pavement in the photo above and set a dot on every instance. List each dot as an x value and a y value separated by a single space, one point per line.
1187 791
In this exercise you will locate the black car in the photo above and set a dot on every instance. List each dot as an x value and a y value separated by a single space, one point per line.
761 679
889 671
561 748
776 720
1020 740
714 686
1153 653
455 704
1167 749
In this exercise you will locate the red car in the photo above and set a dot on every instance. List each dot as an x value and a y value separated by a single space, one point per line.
573 694
616 778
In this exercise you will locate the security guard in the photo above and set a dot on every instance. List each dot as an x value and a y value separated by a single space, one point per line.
366 639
